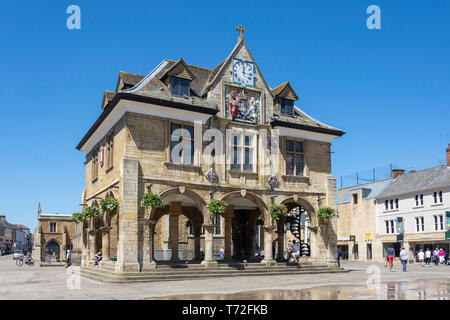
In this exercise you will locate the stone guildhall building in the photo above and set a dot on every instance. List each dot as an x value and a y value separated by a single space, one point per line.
192 135
54 235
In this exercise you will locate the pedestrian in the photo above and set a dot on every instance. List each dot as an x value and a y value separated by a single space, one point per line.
68 258
391 255
221 252
339 254
404 258
98 257
202 254
421 257
427 257
295 251
436 256
441 256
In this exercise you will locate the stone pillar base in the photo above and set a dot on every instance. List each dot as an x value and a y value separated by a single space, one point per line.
149 266
269 263
210 264
127 267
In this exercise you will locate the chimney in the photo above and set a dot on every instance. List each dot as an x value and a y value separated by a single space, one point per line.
397 172
448 155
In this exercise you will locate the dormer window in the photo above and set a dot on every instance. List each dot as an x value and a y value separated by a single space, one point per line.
180 87
287 107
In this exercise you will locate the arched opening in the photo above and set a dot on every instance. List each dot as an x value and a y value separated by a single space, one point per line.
298 226
245 218
172 232
52 251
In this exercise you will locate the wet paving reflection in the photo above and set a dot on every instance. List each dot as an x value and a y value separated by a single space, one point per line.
412 290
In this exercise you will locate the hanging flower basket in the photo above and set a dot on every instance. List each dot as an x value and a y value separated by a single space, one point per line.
325 213
79 217
92 212
109 205
217 206
277 210
151 200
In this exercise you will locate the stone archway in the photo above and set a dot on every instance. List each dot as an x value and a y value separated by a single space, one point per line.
243 212
52 250
292 202
178 201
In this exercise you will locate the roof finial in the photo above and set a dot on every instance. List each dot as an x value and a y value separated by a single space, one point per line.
241 29
39 209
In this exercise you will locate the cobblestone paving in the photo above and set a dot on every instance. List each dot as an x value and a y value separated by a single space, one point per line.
52 282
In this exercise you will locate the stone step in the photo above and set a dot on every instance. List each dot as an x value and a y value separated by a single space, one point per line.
105 276
203 270
206 271
146 278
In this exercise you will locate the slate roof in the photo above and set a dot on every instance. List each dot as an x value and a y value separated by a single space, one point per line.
369 190
152 89
436 177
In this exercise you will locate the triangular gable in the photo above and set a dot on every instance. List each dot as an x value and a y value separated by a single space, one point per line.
220 70
179 70
107 97
285 91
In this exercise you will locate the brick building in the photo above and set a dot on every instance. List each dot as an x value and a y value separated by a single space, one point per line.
154 134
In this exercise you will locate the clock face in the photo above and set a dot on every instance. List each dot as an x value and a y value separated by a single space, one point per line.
243 72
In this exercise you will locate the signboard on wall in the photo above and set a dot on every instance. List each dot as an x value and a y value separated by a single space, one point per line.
447 214
352 238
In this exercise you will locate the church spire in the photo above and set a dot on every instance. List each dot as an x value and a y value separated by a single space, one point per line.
241 30
39 209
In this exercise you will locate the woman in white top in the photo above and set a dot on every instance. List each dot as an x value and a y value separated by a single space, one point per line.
421 256
428 257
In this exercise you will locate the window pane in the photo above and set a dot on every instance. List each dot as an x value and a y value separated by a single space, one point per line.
176 159
247 158
287 107
290 145
235 165
236 140
298 146
290 164
173 127
298 165
247 140
188 132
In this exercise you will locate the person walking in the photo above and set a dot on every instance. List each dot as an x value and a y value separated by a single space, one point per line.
391 255
441 256
427 257
421 257
404 258
436 256
68 258
339 254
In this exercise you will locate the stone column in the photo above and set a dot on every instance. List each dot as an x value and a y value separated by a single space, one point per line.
209 247
197 234
127 246
92 244
268 258
105 243
175 211
280 232
150 262
229 214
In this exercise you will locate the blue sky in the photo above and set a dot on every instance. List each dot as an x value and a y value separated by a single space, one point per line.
388 89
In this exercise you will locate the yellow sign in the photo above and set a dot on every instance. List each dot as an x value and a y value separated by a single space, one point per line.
368 236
